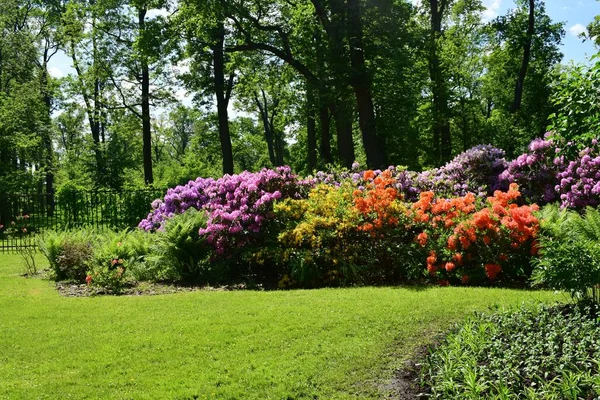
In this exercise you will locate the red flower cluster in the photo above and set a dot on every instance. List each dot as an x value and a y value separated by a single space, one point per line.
375 202
464 236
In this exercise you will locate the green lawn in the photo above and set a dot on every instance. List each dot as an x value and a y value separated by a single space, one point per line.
325 344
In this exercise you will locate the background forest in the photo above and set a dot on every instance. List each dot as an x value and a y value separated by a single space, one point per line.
305 83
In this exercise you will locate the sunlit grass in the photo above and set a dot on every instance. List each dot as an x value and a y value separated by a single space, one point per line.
328 343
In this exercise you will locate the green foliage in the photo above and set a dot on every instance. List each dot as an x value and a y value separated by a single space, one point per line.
532 352
326 240
577 118
570 253
320 241
70 198
178 253
69 252
112 260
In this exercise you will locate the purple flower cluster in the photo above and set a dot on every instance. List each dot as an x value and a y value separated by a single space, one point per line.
176 201
475 170
579 181
237 205
535 171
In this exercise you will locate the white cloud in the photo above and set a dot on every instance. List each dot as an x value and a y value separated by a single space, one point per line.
56 72
416 3
577 29
491 9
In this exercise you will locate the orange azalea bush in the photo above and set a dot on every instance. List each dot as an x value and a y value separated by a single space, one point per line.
465 240
385 217
378 203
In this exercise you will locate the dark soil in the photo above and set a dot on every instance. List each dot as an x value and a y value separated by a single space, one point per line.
405 383
71 289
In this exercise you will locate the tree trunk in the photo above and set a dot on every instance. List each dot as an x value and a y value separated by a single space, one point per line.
526 57
325 122
324 116
222 94
343 124
442 141
311 128
146 122
361 84
279 147
92 107
264 114
48 160
341 92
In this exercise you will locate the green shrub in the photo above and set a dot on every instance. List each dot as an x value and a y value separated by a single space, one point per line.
69 253
569 253
178 252
110 266
540 352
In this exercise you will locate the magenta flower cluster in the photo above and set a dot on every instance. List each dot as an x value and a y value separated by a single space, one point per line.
237 206
579 180
535 171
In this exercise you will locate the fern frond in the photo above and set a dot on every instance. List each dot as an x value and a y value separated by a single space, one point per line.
587 227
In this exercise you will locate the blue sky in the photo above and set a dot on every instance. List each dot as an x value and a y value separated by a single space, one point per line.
576 14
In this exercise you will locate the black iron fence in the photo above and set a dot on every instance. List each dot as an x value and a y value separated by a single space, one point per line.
25 215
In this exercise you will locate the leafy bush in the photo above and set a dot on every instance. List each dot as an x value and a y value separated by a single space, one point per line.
539 352
575 97
473 171
177 251
569 259
578 181
344 235
69 197
69 253
319 237
109 268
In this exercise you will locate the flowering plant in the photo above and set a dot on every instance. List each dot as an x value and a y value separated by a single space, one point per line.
318 237
578 183
18 227
535 171
467 240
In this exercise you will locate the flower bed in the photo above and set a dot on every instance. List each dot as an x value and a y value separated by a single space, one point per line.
471 221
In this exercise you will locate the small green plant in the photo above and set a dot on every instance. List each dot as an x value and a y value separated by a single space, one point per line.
28 256
111 275
69 253
539 352
570 253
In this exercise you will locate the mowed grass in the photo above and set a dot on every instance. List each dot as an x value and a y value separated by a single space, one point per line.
301 344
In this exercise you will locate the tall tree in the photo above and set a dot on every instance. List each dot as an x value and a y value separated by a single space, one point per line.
526 57
83 43
442 140
205 36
